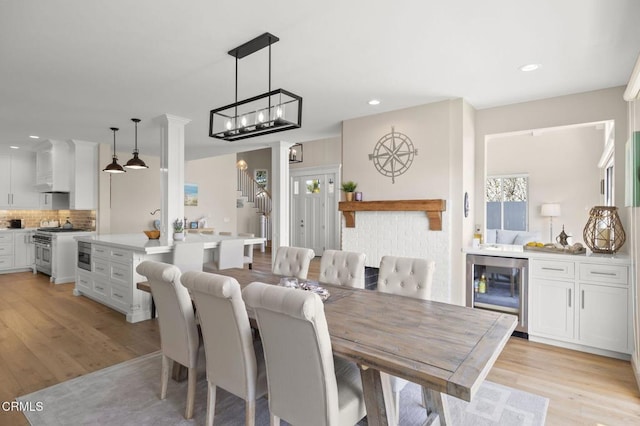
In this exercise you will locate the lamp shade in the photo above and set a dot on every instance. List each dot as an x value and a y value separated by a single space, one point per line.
550 210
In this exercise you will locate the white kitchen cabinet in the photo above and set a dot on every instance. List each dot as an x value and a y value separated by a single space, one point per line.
17 180
604 317
582 305
17 251
84 175
552 308
6 250
23 250
54 201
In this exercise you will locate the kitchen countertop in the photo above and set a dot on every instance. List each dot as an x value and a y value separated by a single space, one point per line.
16 229
508 250
140 242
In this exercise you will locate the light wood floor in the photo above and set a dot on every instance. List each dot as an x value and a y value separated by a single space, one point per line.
48 336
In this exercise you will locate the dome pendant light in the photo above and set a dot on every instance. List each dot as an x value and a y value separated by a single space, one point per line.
135 162
114 167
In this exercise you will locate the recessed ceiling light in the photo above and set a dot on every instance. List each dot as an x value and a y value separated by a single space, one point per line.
34 137
374 102
14 147
529 67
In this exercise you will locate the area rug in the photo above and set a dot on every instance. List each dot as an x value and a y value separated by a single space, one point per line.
127 394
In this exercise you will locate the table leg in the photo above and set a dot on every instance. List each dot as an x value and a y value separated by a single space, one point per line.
437 407
378 398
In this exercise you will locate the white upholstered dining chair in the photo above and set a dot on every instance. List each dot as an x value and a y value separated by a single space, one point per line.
307 384
342 268
248 249
188 256
409 277
228 254
178 332
292 261
234 362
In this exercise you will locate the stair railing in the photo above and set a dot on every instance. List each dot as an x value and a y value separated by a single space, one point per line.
254 192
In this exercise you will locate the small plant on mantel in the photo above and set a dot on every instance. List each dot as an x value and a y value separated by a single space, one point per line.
348 188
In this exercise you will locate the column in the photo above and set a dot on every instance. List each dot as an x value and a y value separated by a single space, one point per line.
280 213
171 172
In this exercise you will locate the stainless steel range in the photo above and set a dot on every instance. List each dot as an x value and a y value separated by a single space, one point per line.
42 242
56 252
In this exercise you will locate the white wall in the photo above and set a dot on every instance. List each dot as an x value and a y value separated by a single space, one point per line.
562 166
321 152
438 132
126 200
216 179
258 159
588 107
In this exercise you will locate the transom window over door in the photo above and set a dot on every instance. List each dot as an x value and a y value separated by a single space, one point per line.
507 202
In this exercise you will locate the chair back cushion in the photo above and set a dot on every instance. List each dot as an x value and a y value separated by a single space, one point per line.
178 331
342 268
406 276
297 349
188 256
231 254
231 359
293 261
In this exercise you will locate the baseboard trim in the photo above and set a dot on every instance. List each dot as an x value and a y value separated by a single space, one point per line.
581 348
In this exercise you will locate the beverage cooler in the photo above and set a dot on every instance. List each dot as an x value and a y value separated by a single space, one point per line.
499 284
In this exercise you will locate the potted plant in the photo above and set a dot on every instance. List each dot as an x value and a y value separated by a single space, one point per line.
178 230
348 188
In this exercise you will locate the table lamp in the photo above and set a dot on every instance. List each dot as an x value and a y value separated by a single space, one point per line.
550 210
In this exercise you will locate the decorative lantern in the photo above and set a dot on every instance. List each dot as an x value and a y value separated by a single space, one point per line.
603 232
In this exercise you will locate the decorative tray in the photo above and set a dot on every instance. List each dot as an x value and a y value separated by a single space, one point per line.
313 287
568 250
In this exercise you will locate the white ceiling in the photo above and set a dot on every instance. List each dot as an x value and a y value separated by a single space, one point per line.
74 68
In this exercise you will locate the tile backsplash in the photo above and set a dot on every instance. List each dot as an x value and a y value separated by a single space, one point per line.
81 219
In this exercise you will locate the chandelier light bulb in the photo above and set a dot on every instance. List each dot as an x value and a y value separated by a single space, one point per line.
260 117
243 121
229 125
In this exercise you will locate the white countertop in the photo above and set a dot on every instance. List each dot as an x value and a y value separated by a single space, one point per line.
508 250
140 242
16 229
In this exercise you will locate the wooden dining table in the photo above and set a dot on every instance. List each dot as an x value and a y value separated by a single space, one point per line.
445 348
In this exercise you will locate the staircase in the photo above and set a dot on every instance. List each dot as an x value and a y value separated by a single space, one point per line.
255 197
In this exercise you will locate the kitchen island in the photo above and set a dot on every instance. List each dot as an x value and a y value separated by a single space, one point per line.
110 276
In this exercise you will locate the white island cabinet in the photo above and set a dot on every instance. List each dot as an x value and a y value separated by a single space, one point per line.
113 279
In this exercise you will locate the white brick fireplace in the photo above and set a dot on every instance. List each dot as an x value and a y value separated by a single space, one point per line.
402 233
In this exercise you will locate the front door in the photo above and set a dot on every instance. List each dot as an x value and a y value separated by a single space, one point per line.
314 208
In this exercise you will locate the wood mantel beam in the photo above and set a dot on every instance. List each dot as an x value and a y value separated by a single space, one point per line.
433 209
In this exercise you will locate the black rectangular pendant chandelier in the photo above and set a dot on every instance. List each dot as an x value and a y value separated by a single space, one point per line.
274 111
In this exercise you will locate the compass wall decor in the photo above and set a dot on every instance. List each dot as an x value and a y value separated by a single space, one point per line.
393 154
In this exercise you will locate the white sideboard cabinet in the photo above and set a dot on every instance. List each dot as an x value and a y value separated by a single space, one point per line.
582 304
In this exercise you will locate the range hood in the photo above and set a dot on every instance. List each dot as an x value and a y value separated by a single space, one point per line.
52 167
